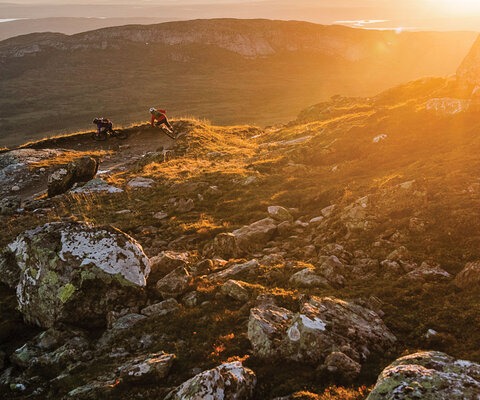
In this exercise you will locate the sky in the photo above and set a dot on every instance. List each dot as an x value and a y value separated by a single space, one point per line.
378 14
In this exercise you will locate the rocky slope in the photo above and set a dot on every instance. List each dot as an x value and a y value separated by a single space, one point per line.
298 261
231 71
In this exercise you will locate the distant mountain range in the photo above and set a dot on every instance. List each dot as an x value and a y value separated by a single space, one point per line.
229 71
66 25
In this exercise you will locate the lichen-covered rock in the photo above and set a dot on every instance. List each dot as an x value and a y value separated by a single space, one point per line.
224 245
149 368
307 278
429 376
428 272
342 366
51 351
230 381
323 325
163 308
469 276
234 270
175 283
60 181
75 272
279 213
82 169
254 236
165 263
236 290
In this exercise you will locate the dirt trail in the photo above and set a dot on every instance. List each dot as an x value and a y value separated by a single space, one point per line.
140 141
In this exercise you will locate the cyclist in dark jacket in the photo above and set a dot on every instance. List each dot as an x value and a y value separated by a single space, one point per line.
103 125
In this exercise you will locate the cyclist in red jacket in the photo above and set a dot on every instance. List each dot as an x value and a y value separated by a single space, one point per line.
160 116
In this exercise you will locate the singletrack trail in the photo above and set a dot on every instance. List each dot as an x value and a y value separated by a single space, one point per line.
141 140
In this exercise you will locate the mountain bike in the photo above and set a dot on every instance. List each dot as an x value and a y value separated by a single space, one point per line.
103 135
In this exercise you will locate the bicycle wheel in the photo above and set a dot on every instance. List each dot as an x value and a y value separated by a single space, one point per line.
120 134
168 133
99 136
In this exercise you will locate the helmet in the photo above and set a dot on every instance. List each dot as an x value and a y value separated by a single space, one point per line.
152 110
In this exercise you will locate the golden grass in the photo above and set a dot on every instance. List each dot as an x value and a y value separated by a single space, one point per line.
67 157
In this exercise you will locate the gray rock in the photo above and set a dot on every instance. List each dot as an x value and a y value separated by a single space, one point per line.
342 366
428 272
428 376
80 170
163 308
307 278
175 283
235 270
469 277
225 245
230 381
236 290
322 326
184 205
151 368
255 236
52 350
332 269
328 211
191 299
76 273
279 213
140 182
166 262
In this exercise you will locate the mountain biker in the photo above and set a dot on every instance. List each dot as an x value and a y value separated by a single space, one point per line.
160 116
103 125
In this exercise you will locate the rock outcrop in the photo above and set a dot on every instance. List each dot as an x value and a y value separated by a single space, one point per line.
230 381
63 179
429 376
323 325
74 272
469 277
469 70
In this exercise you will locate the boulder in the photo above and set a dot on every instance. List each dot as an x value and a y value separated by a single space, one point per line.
60 181
163 308
80 170
332 269
307 278
150 368
342 366
52 351
322 326
428 272
175 283
225 245
236 290
184 205
140 182
279 213
74 272
468 277
255 236
429 376
234 270
229 381
85 168
166 262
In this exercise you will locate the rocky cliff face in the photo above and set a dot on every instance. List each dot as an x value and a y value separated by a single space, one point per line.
469 70
254 38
